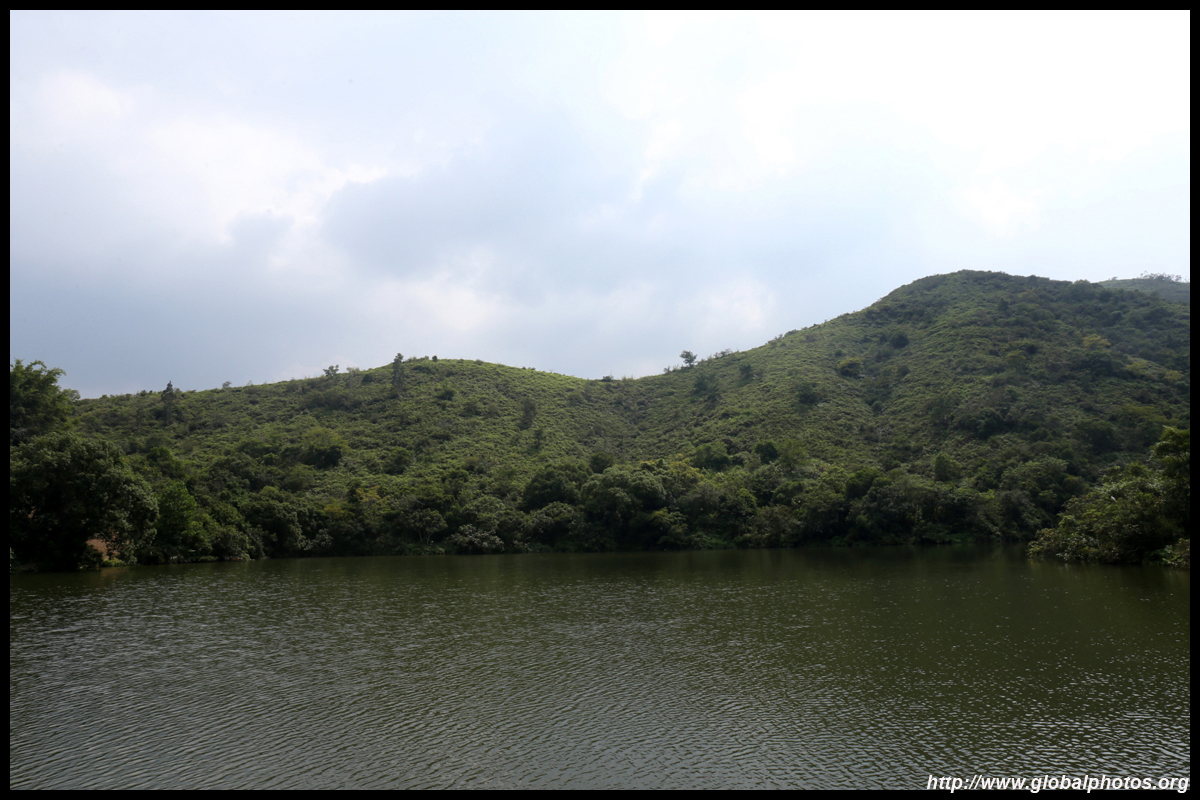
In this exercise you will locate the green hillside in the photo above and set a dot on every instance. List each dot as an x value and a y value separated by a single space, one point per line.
1168 287
971 405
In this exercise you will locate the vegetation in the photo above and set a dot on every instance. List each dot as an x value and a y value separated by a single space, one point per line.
1135 514
964 406
36 405
65 490
1170 287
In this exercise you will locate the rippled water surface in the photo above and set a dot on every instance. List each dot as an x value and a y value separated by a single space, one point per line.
810 668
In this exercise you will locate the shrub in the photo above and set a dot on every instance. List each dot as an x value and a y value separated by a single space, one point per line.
850 367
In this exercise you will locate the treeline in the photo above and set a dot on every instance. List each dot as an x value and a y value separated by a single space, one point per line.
1138 512
67 491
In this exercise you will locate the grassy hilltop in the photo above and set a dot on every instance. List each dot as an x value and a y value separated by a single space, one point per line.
1165 286
963 405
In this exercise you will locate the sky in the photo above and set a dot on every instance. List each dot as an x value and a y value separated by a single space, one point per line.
252 197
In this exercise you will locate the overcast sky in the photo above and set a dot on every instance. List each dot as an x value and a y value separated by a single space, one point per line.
202 197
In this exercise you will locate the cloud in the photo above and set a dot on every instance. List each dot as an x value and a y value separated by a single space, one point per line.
234 168
78 105
1002 209
587 194
150 172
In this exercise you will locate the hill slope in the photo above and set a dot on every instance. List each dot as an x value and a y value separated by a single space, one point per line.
1162 285
971 404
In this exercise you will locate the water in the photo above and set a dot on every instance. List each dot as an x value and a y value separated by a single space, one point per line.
798 668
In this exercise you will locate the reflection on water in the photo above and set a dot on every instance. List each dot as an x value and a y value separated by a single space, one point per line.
797 668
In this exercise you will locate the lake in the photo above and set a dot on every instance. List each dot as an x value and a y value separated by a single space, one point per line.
807 668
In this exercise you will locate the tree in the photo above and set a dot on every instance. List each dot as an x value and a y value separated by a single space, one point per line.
36 405
711 456
1133 515
598 462
766 451
946 469
689 358
274 522
528 412
806 394
398 374
322 448
620 493
168 399
557 525
179 536
65 490
792 455
398 461
850 367
705 386
1174 453
330 371
557 483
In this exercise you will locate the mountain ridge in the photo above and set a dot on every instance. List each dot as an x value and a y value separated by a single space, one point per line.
1017 392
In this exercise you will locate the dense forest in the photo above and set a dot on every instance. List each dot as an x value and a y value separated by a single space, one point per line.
970 406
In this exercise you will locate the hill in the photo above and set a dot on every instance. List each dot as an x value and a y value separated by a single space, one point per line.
1165 286
971 405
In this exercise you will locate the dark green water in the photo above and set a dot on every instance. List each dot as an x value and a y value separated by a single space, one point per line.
798 668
